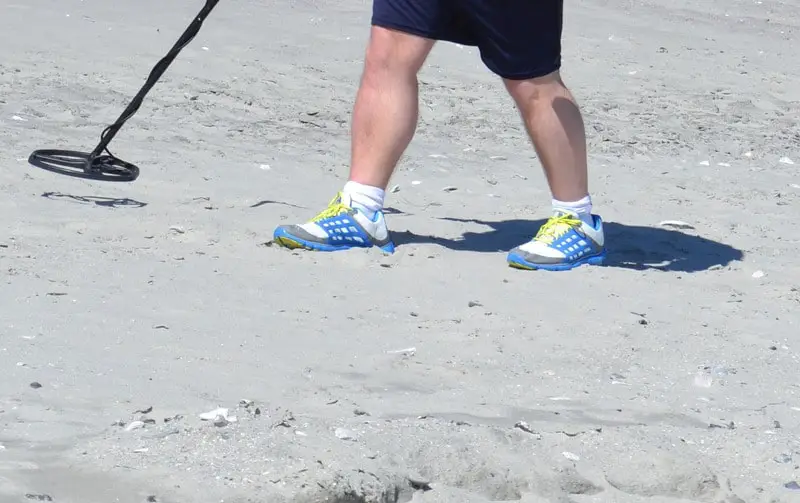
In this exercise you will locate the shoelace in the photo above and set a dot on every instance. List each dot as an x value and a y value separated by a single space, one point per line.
335 208
556 227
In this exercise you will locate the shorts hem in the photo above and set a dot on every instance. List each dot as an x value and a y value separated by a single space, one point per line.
527 75
380 23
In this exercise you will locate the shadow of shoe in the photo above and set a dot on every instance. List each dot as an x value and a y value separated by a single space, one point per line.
629 247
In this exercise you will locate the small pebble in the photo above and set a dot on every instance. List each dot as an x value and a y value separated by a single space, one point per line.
523 426
35 385
419 483
344 434
135 425
783 458
617 378
404 352
395 189
219 417
212 414
39 497
758 274
678 224
703 380
450 188
570 456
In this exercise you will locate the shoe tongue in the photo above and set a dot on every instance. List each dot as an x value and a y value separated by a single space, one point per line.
346 200
563 212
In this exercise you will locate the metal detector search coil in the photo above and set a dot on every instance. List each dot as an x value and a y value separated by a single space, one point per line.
101 164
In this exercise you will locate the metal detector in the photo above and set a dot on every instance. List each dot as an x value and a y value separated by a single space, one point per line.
101 164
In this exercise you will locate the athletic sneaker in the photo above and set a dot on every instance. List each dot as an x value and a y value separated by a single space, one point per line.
563 243
338 227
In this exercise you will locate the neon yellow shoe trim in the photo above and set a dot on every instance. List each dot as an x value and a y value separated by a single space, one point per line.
335 208
555 227
290 243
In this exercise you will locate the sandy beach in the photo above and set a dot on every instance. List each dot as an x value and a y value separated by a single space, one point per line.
436 374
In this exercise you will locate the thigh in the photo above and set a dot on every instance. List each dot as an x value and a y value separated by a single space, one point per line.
433 19
518 39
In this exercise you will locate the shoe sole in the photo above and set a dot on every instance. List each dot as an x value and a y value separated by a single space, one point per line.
294 243
517 262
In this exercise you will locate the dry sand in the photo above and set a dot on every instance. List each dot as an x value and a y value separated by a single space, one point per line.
671 374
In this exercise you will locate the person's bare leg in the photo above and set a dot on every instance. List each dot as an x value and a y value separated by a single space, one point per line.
387 105
573 235
384 122
555 125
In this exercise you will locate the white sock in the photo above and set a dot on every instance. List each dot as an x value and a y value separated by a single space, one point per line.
581 208
366 198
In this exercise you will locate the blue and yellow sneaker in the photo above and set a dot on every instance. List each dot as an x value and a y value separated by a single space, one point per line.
563 242
338 227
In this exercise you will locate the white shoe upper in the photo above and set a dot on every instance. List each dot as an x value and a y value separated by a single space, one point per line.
341 226
568 244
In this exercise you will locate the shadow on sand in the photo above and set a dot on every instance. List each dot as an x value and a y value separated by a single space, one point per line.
629 247
98 200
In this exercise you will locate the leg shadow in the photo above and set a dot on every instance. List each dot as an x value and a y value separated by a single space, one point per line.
629 246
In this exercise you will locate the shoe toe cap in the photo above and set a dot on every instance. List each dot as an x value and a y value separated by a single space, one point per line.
518 254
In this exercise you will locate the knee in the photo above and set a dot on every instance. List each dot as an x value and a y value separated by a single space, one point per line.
395 53
537 90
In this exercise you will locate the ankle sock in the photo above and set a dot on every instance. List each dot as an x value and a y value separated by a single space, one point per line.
582 208
367 199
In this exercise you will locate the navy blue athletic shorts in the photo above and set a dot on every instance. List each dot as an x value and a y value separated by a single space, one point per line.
517 39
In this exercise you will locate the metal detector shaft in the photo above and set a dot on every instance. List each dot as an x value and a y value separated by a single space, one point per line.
155 74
